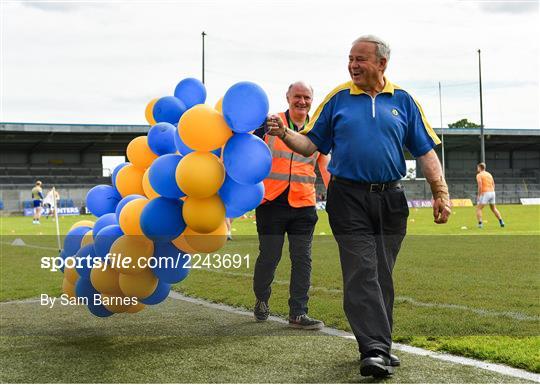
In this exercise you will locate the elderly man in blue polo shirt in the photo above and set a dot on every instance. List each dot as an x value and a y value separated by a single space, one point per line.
366 123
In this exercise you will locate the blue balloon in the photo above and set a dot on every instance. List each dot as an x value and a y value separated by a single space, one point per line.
84 289
170 267
115 172
180 145
161 138
245 107
105 238
104 221
84 265
73 239
240 198
191 91
184 150
102 199
124 202
247 159
162 176
99 310
159 295
169 109
161 219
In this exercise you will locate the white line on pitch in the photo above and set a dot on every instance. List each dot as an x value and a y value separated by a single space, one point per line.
497 368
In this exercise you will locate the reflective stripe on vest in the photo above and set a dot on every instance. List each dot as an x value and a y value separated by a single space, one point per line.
293 178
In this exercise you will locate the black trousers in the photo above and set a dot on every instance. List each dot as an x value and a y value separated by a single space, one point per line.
273 221
369 228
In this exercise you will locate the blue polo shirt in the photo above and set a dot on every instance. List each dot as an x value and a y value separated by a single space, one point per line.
367 135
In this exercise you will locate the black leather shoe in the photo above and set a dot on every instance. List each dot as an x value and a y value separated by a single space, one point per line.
261 311
378 366
394 360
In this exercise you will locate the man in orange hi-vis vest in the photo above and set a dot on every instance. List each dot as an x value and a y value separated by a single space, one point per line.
486 194
288 207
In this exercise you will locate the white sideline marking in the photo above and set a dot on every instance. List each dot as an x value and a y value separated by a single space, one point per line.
30 246
497 368
482 312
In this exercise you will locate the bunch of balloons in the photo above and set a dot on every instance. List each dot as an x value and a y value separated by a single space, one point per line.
197 165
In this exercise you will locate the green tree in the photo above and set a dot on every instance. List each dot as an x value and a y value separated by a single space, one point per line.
463 123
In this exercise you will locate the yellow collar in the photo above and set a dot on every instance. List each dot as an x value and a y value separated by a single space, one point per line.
388 88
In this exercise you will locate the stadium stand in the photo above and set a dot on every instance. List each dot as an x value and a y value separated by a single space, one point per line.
69 156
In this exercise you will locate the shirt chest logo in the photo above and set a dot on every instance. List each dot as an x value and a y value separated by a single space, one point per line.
394 112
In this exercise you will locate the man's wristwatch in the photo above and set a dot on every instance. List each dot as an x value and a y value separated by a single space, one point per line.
284 134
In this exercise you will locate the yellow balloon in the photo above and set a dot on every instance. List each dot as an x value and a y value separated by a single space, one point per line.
132 254
105 281
203 215
202 128
141 285
130 217
136 308
149 191
219 105
207 243
182 244
68 288
129 181
200 174
114 303
139 154
70 273
149 112
82 223
87 239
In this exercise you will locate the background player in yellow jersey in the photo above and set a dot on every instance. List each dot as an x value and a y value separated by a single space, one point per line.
486 194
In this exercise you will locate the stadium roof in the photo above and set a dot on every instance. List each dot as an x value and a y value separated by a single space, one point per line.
32 137
75 128
143 128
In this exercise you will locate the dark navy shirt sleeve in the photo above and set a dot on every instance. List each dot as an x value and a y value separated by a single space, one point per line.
418 140
319 130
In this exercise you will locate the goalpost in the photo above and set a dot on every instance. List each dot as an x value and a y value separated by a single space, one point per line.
56 220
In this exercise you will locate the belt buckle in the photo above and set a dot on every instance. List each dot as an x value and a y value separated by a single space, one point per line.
373 187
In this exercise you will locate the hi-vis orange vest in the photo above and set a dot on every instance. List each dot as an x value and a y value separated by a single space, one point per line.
293 170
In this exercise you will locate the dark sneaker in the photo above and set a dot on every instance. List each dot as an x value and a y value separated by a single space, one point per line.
304 322
394 360
261 311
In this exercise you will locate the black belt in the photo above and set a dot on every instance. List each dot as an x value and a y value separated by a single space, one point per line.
371 187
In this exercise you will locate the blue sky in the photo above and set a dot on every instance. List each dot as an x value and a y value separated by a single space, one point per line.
102 61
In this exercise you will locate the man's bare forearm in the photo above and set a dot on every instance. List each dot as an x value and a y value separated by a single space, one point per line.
298 143
431 167
432 170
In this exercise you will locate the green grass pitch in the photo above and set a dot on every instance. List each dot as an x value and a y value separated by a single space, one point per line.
468 291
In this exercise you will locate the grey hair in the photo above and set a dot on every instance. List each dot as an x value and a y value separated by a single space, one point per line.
299 82
383 48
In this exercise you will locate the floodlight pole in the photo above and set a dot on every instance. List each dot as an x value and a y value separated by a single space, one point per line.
482 143
442 131
203 34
